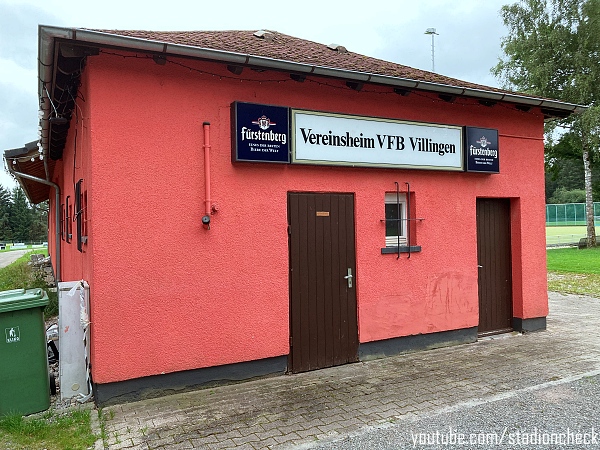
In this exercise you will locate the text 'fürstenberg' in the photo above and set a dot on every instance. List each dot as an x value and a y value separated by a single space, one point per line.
249 134
383 141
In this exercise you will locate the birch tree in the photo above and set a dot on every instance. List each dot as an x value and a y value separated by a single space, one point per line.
553 50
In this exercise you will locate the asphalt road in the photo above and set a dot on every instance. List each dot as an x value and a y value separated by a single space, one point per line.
558 414
7 258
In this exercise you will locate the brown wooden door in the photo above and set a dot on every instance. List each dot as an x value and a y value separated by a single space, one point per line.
495 268
323 317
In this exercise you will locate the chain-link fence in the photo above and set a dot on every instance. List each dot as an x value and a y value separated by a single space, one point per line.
569 214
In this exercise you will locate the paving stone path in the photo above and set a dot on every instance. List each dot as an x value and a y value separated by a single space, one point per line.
303 410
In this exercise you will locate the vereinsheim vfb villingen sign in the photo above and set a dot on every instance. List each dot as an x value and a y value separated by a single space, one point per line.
339 139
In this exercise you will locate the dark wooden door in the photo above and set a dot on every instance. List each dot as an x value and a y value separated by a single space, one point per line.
323 316
495 268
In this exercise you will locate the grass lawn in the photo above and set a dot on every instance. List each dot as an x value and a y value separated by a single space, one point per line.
49 431
574 271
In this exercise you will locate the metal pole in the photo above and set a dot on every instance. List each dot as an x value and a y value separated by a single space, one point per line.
433 52
432 32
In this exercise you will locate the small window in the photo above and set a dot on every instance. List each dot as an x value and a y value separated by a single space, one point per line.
395 219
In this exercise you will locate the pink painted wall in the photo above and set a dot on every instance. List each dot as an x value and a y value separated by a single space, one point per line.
168 295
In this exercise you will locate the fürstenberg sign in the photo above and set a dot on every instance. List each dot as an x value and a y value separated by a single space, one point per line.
339 139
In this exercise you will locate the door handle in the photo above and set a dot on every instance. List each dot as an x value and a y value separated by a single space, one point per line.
349 277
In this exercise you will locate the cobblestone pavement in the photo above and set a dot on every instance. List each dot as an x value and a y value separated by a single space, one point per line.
305 410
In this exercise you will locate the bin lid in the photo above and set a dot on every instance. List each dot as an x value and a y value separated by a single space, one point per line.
16 299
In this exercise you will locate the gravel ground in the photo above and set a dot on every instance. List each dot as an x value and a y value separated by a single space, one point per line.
563 414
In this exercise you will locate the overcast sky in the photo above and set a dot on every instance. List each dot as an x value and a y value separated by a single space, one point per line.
467 46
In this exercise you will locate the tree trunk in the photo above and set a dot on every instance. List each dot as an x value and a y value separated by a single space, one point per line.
589 201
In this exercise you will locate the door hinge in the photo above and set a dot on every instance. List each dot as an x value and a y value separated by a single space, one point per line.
289 230
290 342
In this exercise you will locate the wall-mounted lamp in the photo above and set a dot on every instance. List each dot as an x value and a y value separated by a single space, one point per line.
447 97
161 60
489 103
354 85
236 70
58 120
523 108
402 92
549 112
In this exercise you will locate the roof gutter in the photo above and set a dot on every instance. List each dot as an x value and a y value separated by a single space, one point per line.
48 35
57 209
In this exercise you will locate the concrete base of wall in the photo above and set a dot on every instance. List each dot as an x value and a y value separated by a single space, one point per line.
172 383
394 346
529 325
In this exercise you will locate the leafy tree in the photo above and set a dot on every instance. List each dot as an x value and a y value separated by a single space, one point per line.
5 203
564 170
19 220
21 217
563 173
561 195
38 231
552 50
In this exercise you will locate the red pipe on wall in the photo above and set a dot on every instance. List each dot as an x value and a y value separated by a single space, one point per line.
206 126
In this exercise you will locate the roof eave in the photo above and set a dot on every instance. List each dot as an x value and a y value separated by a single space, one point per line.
48 35
26 160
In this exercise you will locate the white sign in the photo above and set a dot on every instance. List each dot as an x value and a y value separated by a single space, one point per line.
323 138
13 334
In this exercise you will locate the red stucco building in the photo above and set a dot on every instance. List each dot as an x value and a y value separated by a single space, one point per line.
244 203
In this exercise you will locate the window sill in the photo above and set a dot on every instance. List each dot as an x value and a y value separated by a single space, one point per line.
403 249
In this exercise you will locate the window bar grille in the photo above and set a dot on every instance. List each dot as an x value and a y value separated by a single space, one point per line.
408 247
62 221
68 228
398 222
407 219
78 209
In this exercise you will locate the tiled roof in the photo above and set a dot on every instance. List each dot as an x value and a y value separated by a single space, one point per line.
288 48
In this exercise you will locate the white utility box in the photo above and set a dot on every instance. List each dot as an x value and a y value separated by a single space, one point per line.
73 338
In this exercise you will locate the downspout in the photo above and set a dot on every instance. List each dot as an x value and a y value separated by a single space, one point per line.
206 146
56 207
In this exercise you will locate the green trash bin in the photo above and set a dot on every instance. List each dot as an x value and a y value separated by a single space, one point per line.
24 376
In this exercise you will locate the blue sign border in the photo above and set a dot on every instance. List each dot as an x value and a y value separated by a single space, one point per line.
260 133
482 152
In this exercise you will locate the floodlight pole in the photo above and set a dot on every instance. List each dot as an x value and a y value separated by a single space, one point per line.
432 32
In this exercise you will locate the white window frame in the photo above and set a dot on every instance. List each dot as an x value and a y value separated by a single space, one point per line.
391 199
